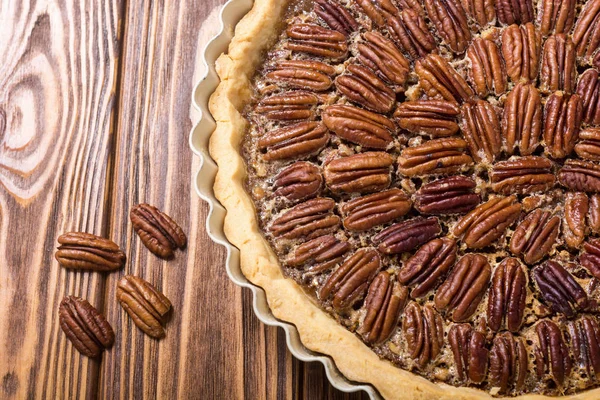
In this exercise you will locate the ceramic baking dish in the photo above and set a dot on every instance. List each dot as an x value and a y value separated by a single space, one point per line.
229 16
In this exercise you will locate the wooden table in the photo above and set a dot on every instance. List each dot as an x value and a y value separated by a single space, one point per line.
94 118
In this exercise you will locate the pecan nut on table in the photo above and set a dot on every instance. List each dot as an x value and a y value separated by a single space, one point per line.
429 172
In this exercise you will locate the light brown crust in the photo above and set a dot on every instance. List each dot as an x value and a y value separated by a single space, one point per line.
288 302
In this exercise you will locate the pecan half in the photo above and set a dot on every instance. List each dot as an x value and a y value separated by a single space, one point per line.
440 80
384 58
159 233
508 362
562 119
385 300
522 175
359 126
551 353
368 211
481 129
580 175
487 73
451 195
522 120
299 181
559 289
514 11
409 29
464 288
584 335
336 16
146 306
359 173
556 16
588 89
349 282
79 250
288 106
558 64
85 326
307 220
365 88
535 235
576 208
521 47
488 222
450 21
437 156
423 271
590 258
319 254
508 292
470 354
587 29
295 141
407 235
424 332
431 117
589 144
482 11
302 74
316 40
594 213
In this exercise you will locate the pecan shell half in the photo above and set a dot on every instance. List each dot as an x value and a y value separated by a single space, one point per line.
580 175
440 80
336 16
319 254
588 89
522 119
384 58
423 329
469 351
551 353
508 292
350 281
146 306
464 288
558 64
317 41
521 48
302 74
365 88
407 235
522 175
481 129
561 123
508 362
288 106
514 11
85 326
451 195
359 126
535 235
437 156
299 181
556 16
488 222
588 146
576 208
385 300
487 73
307 220
159 233
584 335
590 258
482 11
559 289
359 173
431 117
450 21
295 141
424 270
84 251
587 29
366 212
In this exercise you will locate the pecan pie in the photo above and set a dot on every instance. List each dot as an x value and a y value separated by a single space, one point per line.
416 186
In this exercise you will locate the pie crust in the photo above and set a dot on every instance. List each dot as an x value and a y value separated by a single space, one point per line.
255 33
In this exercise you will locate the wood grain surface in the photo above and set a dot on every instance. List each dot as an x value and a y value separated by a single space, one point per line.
94 118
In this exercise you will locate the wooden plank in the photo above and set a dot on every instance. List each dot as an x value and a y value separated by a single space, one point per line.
57 80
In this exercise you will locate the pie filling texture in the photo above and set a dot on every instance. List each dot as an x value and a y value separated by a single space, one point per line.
429 173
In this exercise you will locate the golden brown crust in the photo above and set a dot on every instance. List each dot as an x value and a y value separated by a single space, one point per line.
318 331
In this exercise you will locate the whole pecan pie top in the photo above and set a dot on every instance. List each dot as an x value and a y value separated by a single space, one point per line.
429 172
